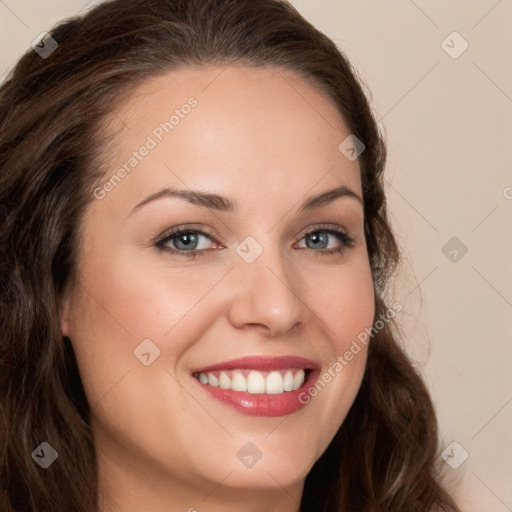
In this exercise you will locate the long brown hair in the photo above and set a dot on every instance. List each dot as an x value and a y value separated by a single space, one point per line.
384 456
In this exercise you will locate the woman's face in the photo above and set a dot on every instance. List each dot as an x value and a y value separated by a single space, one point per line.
168 332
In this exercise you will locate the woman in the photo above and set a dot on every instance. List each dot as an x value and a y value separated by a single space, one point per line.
173 336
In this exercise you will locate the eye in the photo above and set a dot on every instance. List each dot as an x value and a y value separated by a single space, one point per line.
321 240
186 241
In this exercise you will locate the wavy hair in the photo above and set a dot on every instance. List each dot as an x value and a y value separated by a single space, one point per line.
383 458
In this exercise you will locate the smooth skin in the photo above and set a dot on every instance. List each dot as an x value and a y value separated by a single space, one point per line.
267 140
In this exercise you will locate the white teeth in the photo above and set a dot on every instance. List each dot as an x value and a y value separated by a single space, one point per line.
224 381
212 380
274 382
238 382
298 380
255 382
288 381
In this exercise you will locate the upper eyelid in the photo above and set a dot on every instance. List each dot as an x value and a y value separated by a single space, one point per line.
326 226
174 232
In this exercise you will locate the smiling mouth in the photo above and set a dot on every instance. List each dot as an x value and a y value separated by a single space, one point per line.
274 382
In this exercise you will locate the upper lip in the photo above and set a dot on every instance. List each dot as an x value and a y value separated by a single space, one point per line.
263 363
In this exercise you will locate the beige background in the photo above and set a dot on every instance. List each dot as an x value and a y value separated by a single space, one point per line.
448 124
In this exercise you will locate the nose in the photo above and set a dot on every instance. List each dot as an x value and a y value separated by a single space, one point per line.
266 295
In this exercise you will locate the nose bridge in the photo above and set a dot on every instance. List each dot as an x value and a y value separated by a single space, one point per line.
266 290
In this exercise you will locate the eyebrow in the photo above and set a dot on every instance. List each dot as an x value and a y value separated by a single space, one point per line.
224 204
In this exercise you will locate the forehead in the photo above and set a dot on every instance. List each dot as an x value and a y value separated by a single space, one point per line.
261 128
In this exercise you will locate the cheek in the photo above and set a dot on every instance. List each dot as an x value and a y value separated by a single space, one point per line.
356 309
120 304
344 300
146 301
117 307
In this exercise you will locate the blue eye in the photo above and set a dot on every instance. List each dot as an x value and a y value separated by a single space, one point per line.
185 240
322 237
191 243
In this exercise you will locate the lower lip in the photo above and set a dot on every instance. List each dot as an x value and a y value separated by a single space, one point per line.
262 404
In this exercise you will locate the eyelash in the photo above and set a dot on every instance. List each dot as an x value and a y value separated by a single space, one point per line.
346 241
